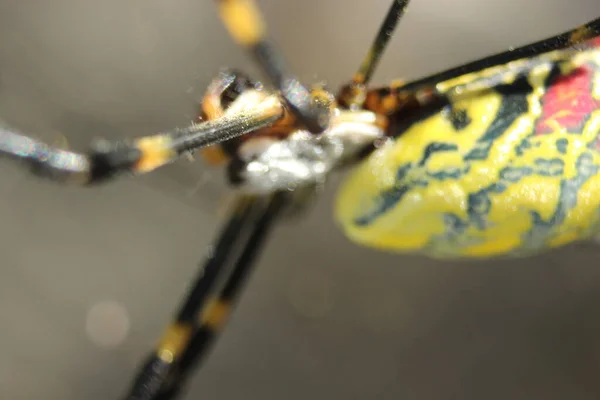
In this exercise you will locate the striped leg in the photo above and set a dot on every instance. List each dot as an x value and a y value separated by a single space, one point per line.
197 323
245 24
142 155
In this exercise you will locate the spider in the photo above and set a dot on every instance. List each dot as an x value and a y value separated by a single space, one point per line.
494 157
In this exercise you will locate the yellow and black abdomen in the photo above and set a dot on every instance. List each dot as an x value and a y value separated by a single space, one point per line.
509 169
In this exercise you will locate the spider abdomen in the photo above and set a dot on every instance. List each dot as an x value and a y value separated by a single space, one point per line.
508 169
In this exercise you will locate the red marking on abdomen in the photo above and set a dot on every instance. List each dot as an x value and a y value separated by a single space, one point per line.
596 42
568 102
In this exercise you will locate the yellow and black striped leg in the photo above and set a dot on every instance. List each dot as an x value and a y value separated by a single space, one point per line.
160 363
189 335
214 316
245 24
106 160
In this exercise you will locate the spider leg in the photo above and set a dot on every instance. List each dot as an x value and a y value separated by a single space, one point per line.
214 316
195 327
106 160
245 24
389 24
561 41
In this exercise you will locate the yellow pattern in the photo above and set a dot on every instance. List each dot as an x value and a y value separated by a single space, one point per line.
173 342
156 152
458 203
215 315
243 21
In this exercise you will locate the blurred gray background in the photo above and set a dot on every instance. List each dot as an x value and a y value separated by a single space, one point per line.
90 276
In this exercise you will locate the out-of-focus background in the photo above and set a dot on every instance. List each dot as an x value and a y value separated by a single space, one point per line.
90 276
